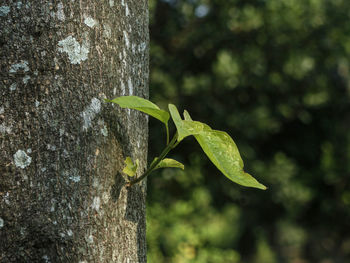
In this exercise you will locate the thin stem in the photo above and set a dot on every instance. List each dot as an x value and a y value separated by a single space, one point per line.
176 144
167 134
154 164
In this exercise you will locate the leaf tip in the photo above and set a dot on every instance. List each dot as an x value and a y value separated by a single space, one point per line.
263 187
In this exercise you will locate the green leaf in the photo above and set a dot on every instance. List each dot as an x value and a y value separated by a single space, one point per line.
223 152
130 168
187 116
175 115
169 163
140 104
185 128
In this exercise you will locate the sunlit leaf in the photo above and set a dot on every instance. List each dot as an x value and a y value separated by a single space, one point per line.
169 163
175 115
187 116
223 152
140 104
130 168
185 128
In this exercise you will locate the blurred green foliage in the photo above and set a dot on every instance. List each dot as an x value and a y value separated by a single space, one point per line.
275 74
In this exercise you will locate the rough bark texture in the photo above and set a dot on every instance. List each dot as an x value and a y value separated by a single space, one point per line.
62 193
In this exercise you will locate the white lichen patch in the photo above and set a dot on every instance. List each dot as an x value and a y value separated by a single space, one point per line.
37 103
89 239
23 65
7 198
95 105
96 203
105 197
22 231
19 4
69 232
104 131
72 175
1 222
5 129
126 39
90 112
127 10
60 12
2 110
51 147
95 182
111 3
26 79
131 88
13 86
74 178
90 22
100 122
142 47
123 88
65 154
4 10
76 53
107 31
21 159
46 259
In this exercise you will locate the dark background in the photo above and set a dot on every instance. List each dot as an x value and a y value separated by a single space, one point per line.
275 75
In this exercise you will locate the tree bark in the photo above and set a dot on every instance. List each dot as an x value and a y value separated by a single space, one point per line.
62 193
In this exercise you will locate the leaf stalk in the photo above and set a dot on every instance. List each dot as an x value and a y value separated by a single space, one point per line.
154 164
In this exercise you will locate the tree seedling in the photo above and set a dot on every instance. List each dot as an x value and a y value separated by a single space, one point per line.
217 145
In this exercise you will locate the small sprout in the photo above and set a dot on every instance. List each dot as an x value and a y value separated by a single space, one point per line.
217 145
130 168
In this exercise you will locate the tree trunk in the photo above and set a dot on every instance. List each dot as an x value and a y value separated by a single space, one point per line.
63 196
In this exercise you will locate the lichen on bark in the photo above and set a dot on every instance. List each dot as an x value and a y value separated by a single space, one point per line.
62 194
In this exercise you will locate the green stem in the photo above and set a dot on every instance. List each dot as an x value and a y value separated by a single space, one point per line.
176 144
154 164
167 134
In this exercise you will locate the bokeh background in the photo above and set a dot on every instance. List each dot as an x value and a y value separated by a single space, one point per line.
274 74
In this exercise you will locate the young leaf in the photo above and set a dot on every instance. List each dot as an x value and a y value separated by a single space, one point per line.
187 116
175 115
185 128
223 152
130 168
140 104
169 163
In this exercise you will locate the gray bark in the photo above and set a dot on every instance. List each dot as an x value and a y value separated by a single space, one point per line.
62 193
